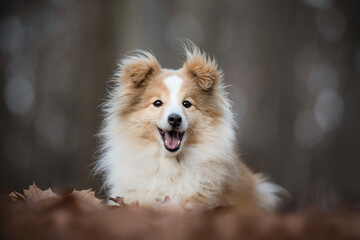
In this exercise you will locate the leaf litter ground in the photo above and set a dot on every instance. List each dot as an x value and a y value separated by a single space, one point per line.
42 214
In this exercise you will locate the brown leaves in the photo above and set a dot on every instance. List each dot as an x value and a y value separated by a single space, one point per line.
17 197
87 195
42 214
118 200
34 195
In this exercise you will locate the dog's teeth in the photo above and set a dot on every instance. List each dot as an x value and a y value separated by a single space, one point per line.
165 142
178 142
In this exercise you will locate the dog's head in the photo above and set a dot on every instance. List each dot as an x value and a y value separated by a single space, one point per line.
170 108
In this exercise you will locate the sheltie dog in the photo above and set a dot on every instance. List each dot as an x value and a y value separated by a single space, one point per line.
171 133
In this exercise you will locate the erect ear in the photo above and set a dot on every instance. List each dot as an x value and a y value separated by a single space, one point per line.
139 68
201 68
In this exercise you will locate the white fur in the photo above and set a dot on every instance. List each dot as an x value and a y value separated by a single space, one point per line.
268 193
173 84
140 173
144 173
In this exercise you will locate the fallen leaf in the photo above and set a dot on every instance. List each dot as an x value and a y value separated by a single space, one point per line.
80 215
35 194
118 200
166 199
17 197
87 195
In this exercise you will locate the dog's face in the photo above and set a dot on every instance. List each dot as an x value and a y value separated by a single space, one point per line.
169 108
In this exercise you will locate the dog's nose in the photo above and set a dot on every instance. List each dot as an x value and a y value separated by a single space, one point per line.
174 119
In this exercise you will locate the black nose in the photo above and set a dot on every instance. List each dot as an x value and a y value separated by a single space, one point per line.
174 119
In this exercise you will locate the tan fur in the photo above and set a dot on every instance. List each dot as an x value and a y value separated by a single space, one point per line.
207 171
201 69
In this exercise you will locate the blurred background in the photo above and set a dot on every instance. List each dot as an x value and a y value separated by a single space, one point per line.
293 67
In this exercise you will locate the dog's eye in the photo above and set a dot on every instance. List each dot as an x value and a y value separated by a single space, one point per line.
158 103
186 104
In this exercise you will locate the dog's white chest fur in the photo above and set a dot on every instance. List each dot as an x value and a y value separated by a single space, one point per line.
146 175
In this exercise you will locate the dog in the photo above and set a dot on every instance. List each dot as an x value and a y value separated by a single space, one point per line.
170 134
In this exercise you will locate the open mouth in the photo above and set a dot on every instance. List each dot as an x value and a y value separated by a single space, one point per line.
172 139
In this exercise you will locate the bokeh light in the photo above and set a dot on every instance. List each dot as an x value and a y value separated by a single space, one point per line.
331 24
319 3
19 95
12 34
329 109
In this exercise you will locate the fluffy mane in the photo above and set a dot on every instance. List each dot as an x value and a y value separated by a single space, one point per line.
207 172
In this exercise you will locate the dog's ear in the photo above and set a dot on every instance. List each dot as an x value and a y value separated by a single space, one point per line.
201 68
137 69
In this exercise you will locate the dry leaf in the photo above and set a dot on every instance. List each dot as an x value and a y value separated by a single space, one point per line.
35 194
80 215
16 197
166 199
87 195
118 200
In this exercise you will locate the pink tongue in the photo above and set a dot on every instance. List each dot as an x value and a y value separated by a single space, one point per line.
172 138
